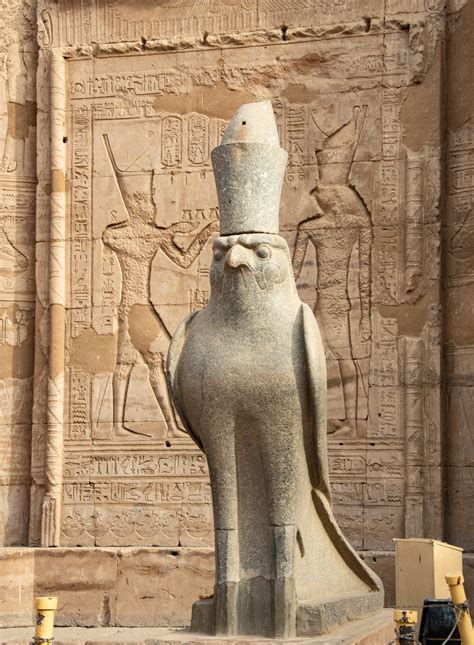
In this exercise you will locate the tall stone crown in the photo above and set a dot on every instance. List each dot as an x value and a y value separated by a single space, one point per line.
337 154
248 168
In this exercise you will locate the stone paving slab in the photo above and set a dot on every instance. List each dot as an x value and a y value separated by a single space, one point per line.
376 629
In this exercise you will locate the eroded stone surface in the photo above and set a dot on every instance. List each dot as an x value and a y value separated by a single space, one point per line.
104 586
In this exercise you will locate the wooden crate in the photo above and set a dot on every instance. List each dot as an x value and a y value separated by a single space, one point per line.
420 567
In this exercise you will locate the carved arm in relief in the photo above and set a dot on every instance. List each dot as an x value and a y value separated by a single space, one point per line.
365 246
185 257
113 236
301 244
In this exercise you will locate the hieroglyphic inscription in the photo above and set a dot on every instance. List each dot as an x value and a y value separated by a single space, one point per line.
189 463
198 139
80 394
138 492
17 202
161 498
384 408
367 484
15 328
171 141
388 221
295 131
80 227
413 380
460 204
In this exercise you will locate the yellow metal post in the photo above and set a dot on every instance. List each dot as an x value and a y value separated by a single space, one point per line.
405 621
45 606
458 596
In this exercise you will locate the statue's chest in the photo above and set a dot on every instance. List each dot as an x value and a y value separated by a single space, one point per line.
256 365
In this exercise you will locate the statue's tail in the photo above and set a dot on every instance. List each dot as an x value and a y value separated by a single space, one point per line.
345 550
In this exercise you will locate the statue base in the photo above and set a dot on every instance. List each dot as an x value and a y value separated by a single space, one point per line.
311 620
374 629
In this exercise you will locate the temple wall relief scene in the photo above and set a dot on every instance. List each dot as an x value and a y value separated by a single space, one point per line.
109 111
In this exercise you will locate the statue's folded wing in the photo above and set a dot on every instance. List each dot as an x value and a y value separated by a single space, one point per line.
172 362
317 386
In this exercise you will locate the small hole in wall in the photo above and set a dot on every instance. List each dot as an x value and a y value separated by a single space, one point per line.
167 444
374 559
64 139
244 122
372 444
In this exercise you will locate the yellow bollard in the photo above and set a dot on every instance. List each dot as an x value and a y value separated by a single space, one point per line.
405 621
458 596
45 606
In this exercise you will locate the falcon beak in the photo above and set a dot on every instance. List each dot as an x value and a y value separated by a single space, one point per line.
237 257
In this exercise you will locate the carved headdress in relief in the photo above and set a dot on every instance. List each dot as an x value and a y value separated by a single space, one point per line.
249 166
136 186
337 153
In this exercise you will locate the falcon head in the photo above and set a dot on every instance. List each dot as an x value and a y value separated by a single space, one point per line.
249 259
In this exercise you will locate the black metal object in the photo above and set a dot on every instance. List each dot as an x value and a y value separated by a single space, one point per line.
406 634
438 621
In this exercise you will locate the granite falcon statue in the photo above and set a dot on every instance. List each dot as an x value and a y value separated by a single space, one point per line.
248 378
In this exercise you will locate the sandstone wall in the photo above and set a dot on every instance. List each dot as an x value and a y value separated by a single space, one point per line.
18 62
458 278
372 105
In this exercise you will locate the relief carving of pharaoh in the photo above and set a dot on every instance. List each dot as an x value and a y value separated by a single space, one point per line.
135 242
17 106
340 230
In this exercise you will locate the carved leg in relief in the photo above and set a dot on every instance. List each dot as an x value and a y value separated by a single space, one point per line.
119 388
362 365
349 384
155 362
127 357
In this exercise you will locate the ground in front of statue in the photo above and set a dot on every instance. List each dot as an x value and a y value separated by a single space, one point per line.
376 629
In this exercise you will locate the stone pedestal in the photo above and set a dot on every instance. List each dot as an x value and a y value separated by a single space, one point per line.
375 629
310 619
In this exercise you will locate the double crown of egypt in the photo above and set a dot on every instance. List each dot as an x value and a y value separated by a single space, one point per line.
249 166
247 375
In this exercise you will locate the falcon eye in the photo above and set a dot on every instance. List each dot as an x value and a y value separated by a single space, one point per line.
218 255
263 252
